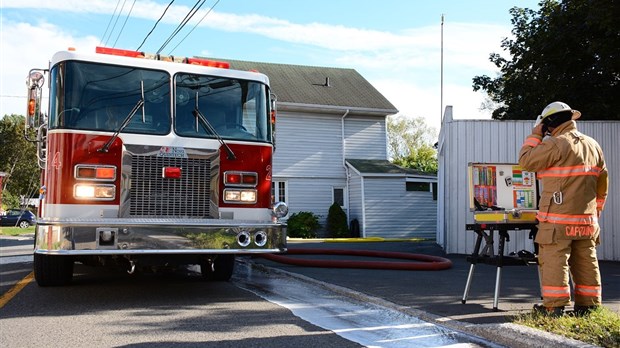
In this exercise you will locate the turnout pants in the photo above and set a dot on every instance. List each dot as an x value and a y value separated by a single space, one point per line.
560 256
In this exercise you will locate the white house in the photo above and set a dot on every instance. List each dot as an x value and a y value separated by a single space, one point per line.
492 141
331 146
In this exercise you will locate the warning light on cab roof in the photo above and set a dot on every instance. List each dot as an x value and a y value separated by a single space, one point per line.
138 54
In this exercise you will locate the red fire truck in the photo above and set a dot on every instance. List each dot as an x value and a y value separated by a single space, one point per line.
151 161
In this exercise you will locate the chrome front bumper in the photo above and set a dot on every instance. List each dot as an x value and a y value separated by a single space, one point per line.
117 236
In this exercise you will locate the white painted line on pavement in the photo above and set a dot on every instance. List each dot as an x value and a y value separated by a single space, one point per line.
15 259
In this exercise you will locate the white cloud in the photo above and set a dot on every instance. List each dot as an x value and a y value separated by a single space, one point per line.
19 55
404 66
92 6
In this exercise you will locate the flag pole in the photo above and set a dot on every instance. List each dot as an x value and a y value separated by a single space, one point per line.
441 98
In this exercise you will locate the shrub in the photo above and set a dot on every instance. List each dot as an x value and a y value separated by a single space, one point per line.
337 225
303 224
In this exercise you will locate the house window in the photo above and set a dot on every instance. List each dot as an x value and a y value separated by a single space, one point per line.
338 196
279 192
422 187
418 186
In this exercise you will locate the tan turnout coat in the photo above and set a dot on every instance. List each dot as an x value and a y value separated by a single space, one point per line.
574 180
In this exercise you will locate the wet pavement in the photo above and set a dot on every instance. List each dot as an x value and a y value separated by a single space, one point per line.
359 321
437 295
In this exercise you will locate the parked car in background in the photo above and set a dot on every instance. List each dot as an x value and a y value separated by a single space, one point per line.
18 218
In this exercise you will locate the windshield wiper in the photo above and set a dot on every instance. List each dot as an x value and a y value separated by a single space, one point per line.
208 127
139 104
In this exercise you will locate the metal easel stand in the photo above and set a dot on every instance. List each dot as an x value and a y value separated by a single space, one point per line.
487 256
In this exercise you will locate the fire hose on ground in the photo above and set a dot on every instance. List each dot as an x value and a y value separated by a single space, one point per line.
428 262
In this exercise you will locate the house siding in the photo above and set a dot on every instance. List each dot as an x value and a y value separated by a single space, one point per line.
314 195
309 158
365 137
488 141
355 200
393 212
308 145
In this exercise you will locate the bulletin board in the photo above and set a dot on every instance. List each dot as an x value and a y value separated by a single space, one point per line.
502 185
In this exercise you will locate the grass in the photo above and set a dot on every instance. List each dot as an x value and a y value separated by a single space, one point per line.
15 231
601 327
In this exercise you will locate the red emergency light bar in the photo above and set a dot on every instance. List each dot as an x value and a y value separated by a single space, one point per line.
207 62
138 54
119 52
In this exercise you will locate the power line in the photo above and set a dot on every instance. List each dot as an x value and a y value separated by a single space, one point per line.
123 27
116 21
200 21
111 18
150 32
187 18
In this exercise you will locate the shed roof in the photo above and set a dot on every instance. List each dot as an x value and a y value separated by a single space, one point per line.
321 86
374 167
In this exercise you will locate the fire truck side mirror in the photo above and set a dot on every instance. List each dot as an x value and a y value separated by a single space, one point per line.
34 83
272 117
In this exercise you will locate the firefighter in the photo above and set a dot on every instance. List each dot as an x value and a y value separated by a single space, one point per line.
574 180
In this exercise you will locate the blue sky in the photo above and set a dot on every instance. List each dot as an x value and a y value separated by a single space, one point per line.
394 44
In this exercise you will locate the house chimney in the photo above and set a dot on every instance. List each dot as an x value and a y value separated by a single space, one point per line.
327 82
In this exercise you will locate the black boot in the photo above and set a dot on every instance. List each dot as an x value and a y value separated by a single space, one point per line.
581 311
549 311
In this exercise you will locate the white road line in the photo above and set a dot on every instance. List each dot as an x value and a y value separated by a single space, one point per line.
15 259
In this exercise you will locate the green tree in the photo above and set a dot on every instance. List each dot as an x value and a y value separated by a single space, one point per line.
568 51
18 158
9 200
410 143
424 160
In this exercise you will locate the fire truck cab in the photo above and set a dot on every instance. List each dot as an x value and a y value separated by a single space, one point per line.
151 161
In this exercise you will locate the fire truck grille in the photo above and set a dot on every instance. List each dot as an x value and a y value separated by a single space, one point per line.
152 195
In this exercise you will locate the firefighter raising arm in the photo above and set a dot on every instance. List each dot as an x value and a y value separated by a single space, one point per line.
536 155
574 180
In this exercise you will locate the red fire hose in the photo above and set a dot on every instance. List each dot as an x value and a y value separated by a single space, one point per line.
429 263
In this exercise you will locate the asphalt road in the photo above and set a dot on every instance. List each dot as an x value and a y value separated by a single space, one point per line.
112 308
106 307
115 309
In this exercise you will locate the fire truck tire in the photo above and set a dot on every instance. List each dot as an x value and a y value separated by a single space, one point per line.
53 270
220 269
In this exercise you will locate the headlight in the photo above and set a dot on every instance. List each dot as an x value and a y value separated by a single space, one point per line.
97 192
240 196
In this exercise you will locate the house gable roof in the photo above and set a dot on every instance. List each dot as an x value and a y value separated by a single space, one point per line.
367 167
320 86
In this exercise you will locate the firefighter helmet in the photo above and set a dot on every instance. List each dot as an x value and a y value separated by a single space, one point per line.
554 108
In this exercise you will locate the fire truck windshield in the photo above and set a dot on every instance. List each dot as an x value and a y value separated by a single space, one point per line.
98 97
236 109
